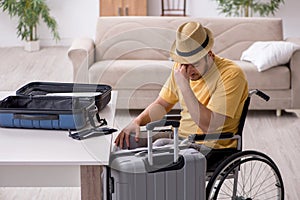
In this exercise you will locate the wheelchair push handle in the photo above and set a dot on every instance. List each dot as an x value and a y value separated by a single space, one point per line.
260 94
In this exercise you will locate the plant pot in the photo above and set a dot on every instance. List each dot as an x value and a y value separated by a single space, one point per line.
32 45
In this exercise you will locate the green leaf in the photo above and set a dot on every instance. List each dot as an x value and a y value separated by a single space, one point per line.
242 7
29 13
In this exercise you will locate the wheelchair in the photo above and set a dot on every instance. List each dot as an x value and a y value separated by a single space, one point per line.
236 174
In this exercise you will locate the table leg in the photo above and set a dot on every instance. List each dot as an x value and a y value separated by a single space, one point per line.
91 185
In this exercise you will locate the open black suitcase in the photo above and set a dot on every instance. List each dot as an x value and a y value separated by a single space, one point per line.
53 105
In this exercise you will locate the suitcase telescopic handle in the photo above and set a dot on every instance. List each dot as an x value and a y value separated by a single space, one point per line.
150 127
36 116
163 122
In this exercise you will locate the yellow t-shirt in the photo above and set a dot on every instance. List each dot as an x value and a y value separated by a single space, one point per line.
223 89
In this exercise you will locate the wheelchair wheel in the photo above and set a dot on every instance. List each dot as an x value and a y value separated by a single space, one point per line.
247 175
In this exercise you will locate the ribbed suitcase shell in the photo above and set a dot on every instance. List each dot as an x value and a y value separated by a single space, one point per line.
46 112
132 180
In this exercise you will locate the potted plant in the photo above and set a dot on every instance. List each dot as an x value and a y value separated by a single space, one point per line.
247 8
29 13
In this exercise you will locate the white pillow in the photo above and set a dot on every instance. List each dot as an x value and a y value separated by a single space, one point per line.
269 54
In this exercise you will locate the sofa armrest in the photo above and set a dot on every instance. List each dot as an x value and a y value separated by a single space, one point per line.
295 74
82 55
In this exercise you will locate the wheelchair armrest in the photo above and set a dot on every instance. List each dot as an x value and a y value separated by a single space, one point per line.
211 136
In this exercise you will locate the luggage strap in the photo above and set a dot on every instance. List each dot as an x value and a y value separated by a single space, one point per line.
92 132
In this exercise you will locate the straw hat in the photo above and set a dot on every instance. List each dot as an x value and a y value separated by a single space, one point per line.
193 41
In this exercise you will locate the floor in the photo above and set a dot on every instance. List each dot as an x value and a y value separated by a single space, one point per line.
18 67
278 137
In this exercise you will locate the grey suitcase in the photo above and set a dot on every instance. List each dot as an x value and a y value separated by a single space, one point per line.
165 173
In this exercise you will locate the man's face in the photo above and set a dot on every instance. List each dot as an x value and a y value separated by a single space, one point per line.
197 70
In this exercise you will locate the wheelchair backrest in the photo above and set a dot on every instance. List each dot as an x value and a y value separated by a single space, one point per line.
243 118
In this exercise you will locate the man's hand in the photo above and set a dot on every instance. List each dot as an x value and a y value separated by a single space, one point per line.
181 76
133 127
153 112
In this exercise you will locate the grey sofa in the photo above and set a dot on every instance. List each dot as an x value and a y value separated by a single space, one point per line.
132 55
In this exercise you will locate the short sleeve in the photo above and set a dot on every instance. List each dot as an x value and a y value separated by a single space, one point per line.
230 93
169 91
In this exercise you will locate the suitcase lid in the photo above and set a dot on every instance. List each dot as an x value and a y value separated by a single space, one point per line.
101 93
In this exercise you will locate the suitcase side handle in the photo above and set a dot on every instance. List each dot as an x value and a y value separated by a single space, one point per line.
36 116
150 126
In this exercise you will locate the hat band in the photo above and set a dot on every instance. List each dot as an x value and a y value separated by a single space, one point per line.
193 52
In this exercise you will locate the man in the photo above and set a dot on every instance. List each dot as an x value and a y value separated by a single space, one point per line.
211 90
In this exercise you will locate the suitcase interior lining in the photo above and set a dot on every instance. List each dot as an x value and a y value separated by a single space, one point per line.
43 103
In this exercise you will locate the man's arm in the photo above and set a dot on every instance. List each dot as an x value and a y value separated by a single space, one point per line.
207 120
155 111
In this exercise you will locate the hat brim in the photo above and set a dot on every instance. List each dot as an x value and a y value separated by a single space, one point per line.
196 57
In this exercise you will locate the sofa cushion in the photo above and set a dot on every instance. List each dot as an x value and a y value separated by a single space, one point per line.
276 78
265 55
152 74
131 74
